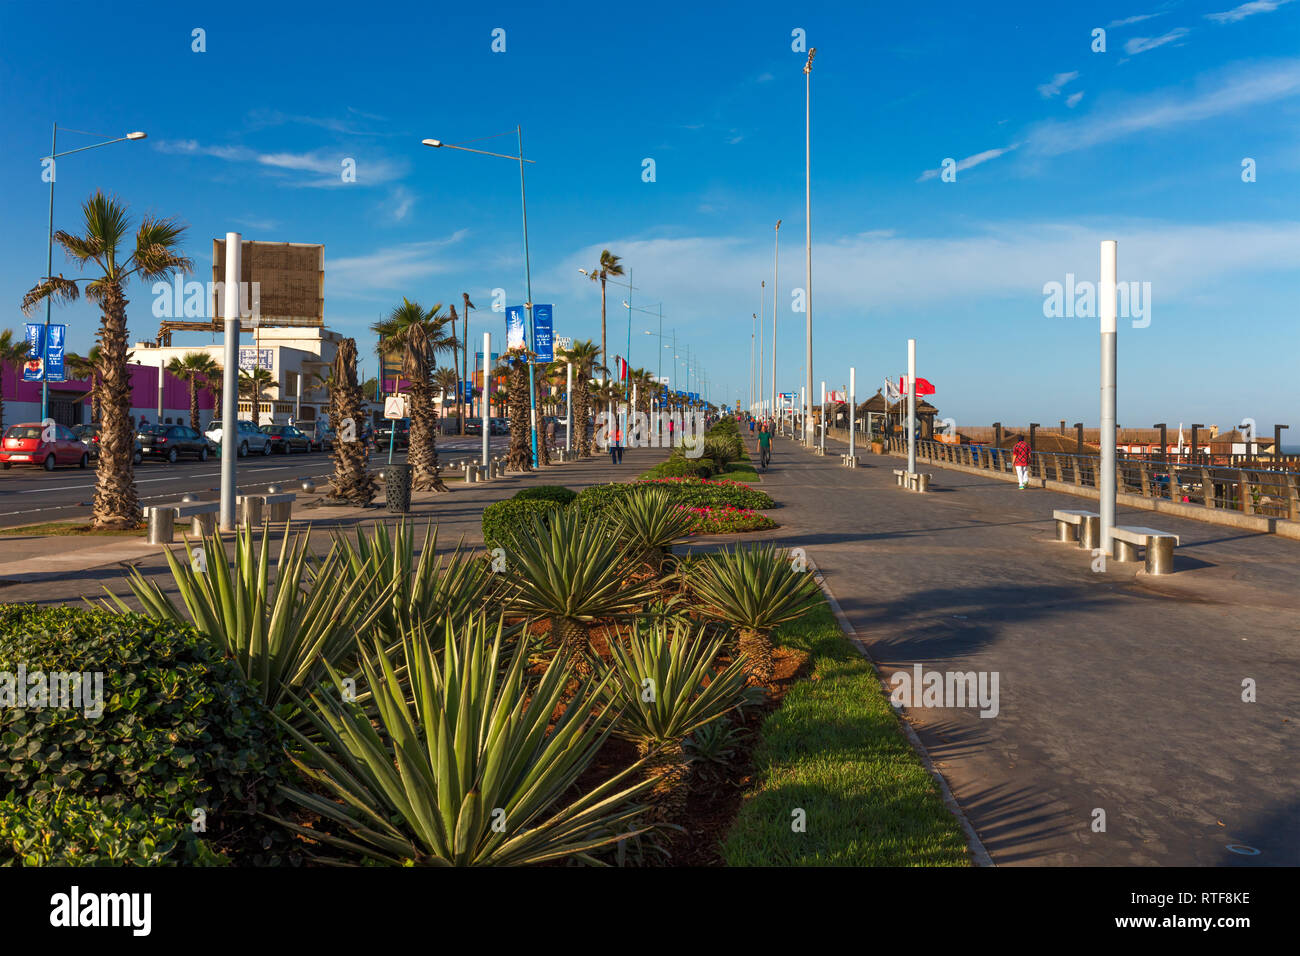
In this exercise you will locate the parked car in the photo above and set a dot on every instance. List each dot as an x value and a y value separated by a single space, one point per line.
320 435
88 435
173 441
498 426
23 444
286 439
474 426
401 439
249 437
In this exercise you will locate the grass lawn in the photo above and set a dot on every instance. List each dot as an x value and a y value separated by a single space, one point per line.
835 750
70 528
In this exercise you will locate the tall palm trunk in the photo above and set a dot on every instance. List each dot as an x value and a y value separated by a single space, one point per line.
521 454
352 480
543 453
422 451
115 504
582 414
194 404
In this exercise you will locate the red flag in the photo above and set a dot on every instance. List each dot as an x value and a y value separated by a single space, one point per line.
923 387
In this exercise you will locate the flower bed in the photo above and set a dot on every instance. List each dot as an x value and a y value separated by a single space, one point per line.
700 492
727 520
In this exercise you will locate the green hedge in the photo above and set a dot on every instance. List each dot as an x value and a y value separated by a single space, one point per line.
596 500
180 730
501 517
700 494
679 466
557 493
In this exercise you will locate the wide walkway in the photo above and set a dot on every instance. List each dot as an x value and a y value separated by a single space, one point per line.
1118 692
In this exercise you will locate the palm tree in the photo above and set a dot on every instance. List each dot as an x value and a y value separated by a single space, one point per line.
352 481
447 381
520 457
195 368
420 334
609 266
465 349
13 351
252 385
584 356
155 257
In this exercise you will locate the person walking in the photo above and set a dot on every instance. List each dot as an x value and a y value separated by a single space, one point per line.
764 448
1020 458
616 447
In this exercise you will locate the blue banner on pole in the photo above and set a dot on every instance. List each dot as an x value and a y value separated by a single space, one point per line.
514 327
34 364
54 348
544 333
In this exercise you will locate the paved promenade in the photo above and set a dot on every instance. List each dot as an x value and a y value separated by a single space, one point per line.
1119 691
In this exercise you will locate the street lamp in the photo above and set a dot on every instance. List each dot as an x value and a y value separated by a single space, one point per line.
659 311
528 273
807 209
49 252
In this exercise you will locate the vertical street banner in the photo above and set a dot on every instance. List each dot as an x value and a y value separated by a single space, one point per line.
544 332
514 327
54 370
34 364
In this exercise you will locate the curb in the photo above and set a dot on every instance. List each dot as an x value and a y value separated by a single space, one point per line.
979 854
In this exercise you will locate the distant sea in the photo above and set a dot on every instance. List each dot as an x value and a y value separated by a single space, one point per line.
1290 449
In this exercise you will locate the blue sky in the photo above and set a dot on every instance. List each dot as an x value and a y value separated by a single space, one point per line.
1057 147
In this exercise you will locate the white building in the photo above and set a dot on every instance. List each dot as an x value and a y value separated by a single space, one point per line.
298 359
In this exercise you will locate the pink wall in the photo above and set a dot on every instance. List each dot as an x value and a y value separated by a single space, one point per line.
144 388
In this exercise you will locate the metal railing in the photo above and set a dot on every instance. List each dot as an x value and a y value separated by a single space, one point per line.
1249 491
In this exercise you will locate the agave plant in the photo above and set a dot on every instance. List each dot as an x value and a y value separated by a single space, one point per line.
469 768
649 522
571 570
424 590
282 636
755 589
666 677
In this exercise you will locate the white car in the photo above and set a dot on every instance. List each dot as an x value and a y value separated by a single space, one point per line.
249 438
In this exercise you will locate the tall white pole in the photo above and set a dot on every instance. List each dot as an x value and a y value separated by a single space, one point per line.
487 384
776 261
807 208
760 398
229 384
1106 309
823 441
853 403
911 406
568 406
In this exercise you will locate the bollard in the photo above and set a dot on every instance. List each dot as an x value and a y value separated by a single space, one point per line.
481 472
203 525
1160 555
281 510
253 510
471 474
308 485
1065 532
272 489
161 523
1090 532
923 483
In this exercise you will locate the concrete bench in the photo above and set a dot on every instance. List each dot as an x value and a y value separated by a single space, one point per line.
1159 547
276 506
1081 526
913 481
162 519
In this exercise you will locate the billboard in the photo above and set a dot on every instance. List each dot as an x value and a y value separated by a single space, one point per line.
290 278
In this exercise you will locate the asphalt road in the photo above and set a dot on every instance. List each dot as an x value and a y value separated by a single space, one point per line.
31 496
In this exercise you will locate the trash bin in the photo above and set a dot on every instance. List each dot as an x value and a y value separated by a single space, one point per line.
397 488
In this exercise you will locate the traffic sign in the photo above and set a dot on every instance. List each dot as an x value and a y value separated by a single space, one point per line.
395 406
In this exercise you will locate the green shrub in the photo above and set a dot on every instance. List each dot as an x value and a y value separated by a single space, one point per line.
679 466
501 517
595 502
700 494
180 730
557 493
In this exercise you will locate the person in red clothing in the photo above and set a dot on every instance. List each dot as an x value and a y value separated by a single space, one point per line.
1020 458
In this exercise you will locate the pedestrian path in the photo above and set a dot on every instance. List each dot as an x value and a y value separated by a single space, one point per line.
1118 692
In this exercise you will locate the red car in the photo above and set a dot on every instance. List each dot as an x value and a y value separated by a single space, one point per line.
22 445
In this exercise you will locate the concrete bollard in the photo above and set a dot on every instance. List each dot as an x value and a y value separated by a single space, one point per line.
203 525
1160 555
1090 532
922 483
252 512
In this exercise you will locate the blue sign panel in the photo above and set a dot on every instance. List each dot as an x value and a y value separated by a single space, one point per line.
514 327
543 333
54 371
34 364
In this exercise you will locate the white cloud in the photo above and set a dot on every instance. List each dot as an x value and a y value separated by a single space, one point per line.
1141 44
970 161
1048 90
327 165
1135 19
1073 99
393 267
1227 92
1246 10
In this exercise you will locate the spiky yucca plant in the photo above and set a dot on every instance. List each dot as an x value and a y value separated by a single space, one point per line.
426 589
571 570
755 589
468 768
282 635
649 522
666 677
